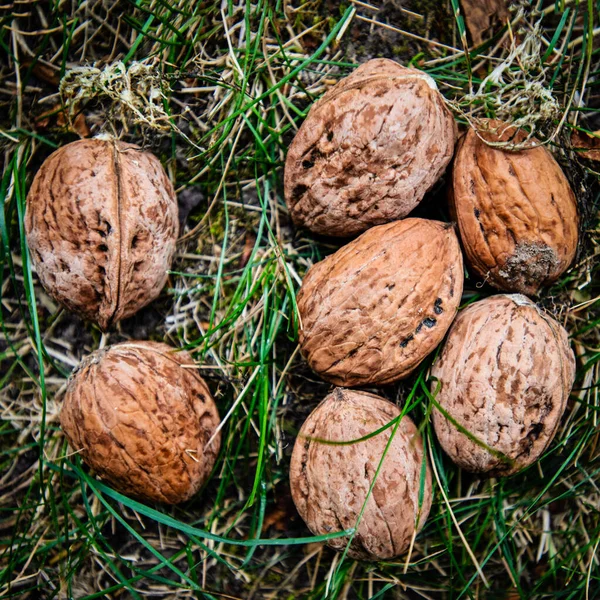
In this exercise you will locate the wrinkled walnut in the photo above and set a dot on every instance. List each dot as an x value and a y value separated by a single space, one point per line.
142 420
371 312
516 212
369 150
330 483
101 225
505 372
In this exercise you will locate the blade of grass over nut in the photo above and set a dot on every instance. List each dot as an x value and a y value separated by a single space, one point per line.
431 397
250 72
396 424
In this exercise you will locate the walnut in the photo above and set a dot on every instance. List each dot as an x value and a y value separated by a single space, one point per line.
516 211
141 416
505 373
369 150
371 312
330 483
101 225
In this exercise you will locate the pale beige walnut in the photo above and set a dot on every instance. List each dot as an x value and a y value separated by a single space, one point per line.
101 224
506 371
371 312
139 414
368 150
516 212
330 483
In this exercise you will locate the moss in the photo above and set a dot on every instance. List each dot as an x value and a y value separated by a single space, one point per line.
400 49
217 222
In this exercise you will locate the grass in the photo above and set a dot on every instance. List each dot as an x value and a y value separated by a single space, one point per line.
217 91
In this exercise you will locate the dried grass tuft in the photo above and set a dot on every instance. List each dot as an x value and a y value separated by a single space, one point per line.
137 93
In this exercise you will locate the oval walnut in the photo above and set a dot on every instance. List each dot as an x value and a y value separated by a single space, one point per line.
330 483
141 416
371 312
505 374
516 212
101 225
368 150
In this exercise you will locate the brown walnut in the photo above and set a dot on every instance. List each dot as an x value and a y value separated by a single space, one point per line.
141 416
330 483
368 150
101 225
371 312
505 374
516 212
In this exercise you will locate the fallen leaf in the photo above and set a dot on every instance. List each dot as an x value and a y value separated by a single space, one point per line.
57 117
481 16
43 72
589 143
280 515
249 243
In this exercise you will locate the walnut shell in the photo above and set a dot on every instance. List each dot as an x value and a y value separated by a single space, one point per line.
101 224
330 483
516 212
506 371
141 418
368 150
371 312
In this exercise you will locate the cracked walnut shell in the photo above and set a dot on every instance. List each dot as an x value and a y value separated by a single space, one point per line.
101 224
330 483
516 212
141 416
505 374
371 312
368 150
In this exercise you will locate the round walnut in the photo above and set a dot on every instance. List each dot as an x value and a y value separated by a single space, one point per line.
330 483
368 150
141 416
371 312
516 211
101 225
504 376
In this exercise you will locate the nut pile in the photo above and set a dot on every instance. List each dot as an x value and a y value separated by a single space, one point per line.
101 225
374 310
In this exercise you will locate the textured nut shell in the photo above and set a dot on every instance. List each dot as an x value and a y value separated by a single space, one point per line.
330 483
369 150
516 213
506 371
101 224
371 312
142 421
